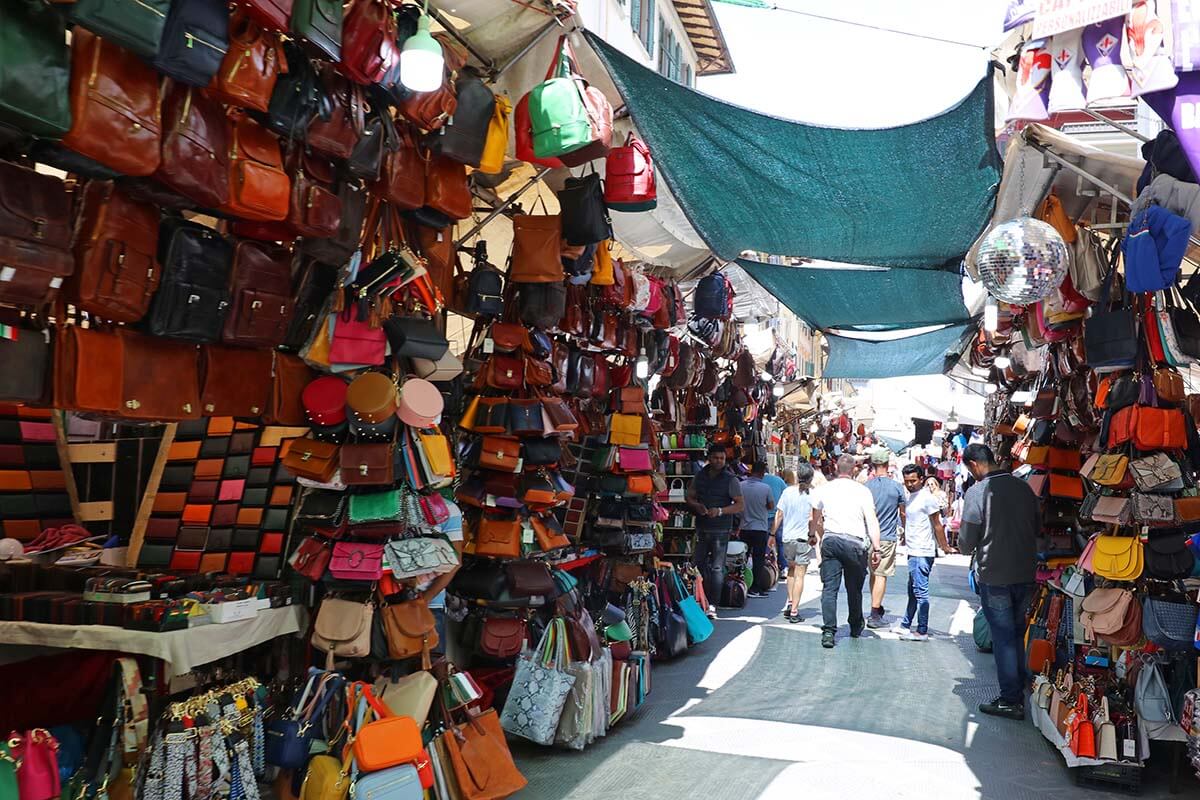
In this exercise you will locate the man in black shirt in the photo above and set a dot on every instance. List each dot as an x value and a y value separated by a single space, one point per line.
716 497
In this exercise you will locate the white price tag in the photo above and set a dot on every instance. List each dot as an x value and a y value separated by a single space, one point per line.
526 534
1129 748
490 501
489 346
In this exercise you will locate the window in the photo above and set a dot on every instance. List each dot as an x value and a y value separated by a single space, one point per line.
669 52
687 75
641 19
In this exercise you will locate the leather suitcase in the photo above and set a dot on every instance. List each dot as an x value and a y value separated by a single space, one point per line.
161 379
116 242
35 236
260 292
237 383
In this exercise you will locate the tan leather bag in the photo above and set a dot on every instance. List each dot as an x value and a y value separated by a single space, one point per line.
411 629
116 238
343 628
259 189
410 696
88 370
251 65
537 248
161 378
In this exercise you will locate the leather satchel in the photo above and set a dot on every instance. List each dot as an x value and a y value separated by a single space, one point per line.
160 378
343 627
194 42
312 459
317 25
339 247
237 383
402 183
116 238
536 246
498 538
34 95
195 147
446 188
193 297
503 637
248 73
369 47
261 296
289 376
368 464
411 629
136 25
115 114
35 236
26 360
88 370
259 189
334 134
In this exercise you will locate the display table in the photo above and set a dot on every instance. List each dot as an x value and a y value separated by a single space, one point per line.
179 650
1041 720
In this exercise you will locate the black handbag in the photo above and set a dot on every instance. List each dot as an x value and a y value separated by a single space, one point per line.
193 296
539 452
325 509
429 217
379 135
415 337
542 305
671 633
1186 324
297 98
581 369
1110 335
35 93
462 138
584 215
482 578
640 512
1168 556
1123 392
338 249
25 360
525 417
315 282
194 41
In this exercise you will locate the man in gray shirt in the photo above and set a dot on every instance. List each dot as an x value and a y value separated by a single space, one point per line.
757 512
1001 519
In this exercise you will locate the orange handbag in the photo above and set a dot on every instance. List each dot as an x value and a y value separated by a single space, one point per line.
1121 426
1101 400
1041 653
639 484
500 453
251 66
1037 455
1158 428
548 532
446 188
388 740
1068 486
1187 509
1083 732
259 189
498 538
1065 459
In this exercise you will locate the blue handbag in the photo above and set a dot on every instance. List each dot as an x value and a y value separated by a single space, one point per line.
288 740
394 783
1171 626
699 626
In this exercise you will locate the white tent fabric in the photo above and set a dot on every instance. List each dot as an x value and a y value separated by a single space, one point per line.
897 401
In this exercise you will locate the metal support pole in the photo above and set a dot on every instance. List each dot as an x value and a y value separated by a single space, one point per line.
1114 124
524 51
458 37
500 209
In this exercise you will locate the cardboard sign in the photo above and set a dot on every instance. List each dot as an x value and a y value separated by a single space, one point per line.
1056 16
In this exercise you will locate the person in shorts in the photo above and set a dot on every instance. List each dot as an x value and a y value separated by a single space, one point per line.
889 510
793 514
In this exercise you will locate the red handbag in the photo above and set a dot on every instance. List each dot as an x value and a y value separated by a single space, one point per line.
356 342
524 137
629 183
368 41
311 558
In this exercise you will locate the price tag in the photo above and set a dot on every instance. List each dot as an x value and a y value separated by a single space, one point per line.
1129 748
489 346
526 534
490 501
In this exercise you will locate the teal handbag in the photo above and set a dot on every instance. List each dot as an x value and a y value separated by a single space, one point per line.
699 626
136 25
8 773
317 25
35 70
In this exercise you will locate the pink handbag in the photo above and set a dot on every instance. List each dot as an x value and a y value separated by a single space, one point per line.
633 459
37 432
355 561
434 509
36 754
356 342
421 403
1085 558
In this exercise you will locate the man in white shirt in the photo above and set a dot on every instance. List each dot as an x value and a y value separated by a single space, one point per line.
846 527
923 521
793 517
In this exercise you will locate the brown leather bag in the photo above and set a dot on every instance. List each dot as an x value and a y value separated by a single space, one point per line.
436 245
1168 385
335 137
312 459
35 236
195 147
447 190
261 296
259 189
482 763
116 239
289 376
502 637
160 378
410 629
88 370
251 66
536 247
237 383
431 110
315 211
402 183
114 106
368 464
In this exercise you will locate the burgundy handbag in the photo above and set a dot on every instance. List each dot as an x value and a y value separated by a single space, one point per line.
312 557
356 342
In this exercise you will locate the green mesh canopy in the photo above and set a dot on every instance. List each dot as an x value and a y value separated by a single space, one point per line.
924 354
913 196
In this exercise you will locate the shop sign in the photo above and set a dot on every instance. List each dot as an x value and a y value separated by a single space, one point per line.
1186 25
1056 16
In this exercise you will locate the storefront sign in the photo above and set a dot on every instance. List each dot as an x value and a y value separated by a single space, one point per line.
1056 16
1186 24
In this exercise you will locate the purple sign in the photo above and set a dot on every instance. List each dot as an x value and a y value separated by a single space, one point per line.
1186 32
1180 107
1102 49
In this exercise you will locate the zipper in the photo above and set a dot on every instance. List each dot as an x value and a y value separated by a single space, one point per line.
191 39
150 8
237 64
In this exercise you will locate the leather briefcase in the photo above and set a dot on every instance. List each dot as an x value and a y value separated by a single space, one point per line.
37 69
116 242
26 359
115 117
289 376
161 378
194 42
88 370
35 234
193 298
258 187
195 148
251 66
237 383
334 135
261 296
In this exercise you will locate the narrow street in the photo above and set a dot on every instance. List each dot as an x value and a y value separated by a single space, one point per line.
761 711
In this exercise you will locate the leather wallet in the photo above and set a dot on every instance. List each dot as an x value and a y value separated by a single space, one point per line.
224 514
209 468
245 539
232 489
183 451
48 479
240 563
259 476
275 519
185 560
203 491
197 513
40 455
220 426
236 467
262 456
220 540
169 502
12 455
281 496
191 430
213 562
22 530
250 517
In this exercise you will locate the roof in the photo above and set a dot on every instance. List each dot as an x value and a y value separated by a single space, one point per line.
704 32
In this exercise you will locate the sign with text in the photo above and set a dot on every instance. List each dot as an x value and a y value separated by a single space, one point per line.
1186 32
1056 16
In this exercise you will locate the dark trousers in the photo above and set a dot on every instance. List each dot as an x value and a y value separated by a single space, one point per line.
780 558
840 557
1005 608
757 542
709 557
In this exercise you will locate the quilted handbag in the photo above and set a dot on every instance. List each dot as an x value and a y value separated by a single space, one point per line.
1170 625
539 690
1118 558
1154 471
410 558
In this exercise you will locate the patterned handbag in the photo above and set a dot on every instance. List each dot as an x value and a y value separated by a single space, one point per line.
408 558
539 691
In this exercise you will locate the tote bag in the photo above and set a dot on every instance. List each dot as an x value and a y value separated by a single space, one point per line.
699 626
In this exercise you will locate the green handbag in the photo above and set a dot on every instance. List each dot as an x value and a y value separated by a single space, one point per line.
136 25
318 27
8 773
557 116
35 69
375 507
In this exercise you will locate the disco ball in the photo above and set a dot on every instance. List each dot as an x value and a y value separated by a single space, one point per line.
1022 261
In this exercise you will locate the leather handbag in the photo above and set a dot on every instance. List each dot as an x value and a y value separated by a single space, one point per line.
160 378
317 25
259 189
312 459
1118 558
1168 385
525 417
338 248
1112 511
368 464
26 354
1083 733
195 147
356 561
503 637
88 370
446 188
1110 335
369 47
504 372
411 558
250 69
500 453
1167 555
411 629
583 212
402 183
314 211
34 86
116 272
559 415
261 304
35 235
431 110
481 763
415 337
491 415
1187 509
194 41
465 134
1154 471
343 628
311 558
237 383
1155 510
529 579
334 134
491 162
115 115
273 15
193 295
536 244
1109 469
629 182
567 119
371 398
1159 428
298 96
1169 625
498 537
133 25
409 696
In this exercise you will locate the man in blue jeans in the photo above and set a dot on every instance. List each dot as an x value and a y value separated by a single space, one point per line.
923 534
1001 519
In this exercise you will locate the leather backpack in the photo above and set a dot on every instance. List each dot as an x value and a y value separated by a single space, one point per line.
317 25
557 114
629 183
115 117
523 137
259 189
431 110
378 137
35 236
195 147
34 96
446 188
135 25
116 267
315 282
337 249
274 15
495 146
584 216
251 66
314 210
194 41
480 292
542 305
298 96
463 137
369 47
714 297
193 296
402 183
261 296
334 134
581 366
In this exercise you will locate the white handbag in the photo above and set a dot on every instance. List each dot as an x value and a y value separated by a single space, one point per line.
677 494
446 368
1106 733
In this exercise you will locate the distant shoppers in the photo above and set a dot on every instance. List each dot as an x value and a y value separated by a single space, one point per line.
923 534
777 485
716 497
758 506
793 529
1000 524
889 510
848 532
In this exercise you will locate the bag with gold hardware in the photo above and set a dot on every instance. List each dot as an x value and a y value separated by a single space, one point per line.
312 459
251 66
368 464
237 382
193 296
161 378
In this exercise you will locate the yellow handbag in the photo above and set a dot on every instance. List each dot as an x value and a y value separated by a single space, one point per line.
625 429
326 779
437 453
496 146
602 268
315 352
1109 469
467 420
1118 558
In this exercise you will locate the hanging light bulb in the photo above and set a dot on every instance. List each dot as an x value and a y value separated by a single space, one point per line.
421 60
989 388
839 436
991 315
1003 362
951 421
642 366
777 390
814 428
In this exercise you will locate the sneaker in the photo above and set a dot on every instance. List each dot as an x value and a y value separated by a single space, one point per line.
712 612
794 618
909 635
855 634
827 640
874 622
898 627
1002 708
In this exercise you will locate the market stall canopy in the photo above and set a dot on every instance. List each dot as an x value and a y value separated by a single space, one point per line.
921 354
911 196
834 296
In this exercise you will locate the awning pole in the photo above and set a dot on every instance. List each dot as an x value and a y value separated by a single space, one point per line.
1114 124
1117 193
500 209
458 37
524 51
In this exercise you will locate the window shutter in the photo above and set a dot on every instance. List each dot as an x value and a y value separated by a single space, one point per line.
635 15
678 65
649 28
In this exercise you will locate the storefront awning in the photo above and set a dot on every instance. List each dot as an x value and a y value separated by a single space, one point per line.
832 297
912 196
923 354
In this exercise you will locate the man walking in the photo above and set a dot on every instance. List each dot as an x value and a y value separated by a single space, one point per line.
1000 523
848 533
793 530
777 485
923 522
889 510
716 497
757 507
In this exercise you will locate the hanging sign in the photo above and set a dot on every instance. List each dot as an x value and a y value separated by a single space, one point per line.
1057 16
1186 32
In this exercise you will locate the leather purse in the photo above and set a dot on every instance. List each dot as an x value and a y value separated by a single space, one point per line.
1067 486
479 756
259 189
335 134
250 69
194 41
35 236
88 370
446 188
491 415
116 238
505 372
415 337
500 454
368 464
1159 428
356 561
559 416
195 147
160 378
1168 385
525 417
260 292
431 110
1154 471
297 97
1118 558
1155 510
1109 469
26 356
411 629
311 558
193 295
338 248
402 183
317 25
536 245
312 459
503 637
465 134
369 47
343 627
548 532
237 383
498 538
529 579
1187 509
542 452
313 209
1112 511
115 113
34 95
